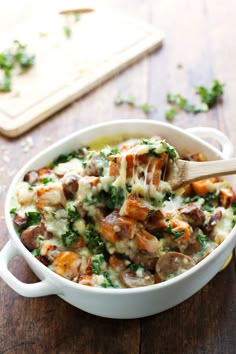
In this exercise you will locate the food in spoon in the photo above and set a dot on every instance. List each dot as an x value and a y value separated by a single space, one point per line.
107 218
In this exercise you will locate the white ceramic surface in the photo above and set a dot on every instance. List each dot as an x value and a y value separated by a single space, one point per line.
120 303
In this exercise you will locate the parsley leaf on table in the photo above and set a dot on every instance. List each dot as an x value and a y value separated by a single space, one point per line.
209 98
131 101
15 57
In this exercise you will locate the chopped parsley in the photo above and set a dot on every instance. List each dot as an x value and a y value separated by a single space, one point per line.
67 31
233 207
147 108
210 201
190 199
94 240
119 100
128 188
158 234
175 234
171 113
107 282
152 152
90 155
134 267
210 96
109 151
131 101
180 103
93 199
72 212
46 180
13 211
145 142
170 276
69 20
14 57
152 149
32 218
97 261
116 197
65 158
201 238
69 238
169 150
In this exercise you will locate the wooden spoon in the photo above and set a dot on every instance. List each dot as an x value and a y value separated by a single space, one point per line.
181 172
74 11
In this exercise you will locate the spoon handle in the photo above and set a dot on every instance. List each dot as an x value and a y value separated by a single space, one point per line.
211 168
190 171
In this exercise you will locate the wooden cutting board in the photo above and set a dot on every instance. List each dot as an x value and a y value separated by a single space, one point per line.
100 44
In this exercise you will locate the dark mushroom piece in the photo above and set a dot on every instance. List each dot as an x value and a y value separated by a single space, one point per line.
93 165
70 186
80 210
29 236
214 219
20 220
31 177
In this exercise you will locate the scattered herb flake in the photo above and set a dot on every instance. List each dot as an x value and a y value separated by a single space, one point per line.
13 211
69 238
94 241
131 101
14 57
201 238
134 267
97 261
65 158
169 150
72 212
170 114
210 96
33 218
47 180
107 282
93 199
175 234
147 108
116 198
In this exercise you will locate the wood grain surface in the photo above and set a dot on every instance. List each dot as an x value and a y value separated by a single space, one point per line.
67 68
200 46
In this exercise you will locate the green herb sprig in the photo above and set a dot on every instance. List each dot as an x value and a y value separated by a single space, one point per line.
69 237
131 101
209 98
97 261
175 234
94 241
15 57
69 21
181 103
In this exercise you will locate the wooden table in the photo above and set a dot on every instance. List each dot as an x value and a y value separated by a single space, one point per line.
200 46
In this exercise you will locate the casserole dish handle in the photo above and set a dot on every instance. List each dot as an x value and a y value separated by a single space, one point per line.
41 288
227 147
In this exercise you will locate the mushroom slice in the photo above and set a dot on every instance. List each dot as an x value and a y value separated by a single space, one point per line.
29 236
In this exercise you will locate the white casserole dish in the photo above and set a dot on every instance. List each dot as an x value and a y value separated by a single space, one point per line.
120 303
